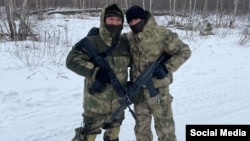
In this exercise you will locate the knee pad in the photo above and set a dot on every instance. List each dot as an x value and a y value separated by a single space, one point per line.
91 125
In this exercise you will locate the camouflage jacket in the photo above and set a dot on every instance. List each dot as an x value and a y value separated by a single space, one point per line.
148 45
119 60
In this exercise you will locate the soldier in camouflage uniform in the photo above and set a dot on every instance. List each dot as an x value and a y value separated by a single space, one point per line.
98 106
147 42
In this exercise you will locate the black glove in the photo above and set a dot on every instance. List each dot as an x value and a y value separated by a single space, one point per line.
102 76
161 72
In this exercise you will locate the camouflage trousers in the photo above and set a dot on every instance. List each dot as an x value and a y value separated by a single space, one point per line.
159 108
92 124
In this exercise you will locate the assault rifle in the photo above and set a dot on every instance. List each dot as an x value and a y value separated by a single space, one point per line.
144 78
102 63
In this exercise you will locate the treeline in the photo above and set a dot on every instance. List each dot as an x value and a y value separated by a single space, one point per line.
243 6
186 14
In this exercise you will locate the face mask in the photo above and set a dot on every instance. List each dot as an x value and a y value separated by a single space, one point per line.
114 28
138 27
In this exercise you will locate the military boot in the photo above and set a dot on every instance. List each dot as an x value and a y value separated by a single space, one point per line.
106 138
111 134
91 137
80 135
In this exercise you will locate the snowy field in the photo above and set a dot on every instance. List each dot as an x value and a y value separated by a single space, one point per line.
41 100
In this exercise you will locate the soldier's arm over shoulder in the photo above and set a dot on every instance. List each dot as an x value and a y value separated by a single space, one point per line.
179 51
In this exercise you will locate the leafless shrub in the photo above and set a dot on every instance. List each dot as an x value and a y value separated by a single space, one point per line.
27 54
222 32
56 54
245 36
34 54
190 35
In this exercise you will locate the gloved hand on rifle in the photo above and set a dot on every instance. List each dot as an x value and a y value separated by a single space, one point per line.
102 76
161 72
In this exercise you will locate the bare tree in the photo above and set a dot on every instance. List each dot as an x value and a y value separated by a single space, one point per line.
125 4
248 11
56 2
249 6
23 29
82 6
39 9
172 8
74 3
143 4
218 12
174 12
235 9
19 24
194 8
150 5
205 9
9 11
190 14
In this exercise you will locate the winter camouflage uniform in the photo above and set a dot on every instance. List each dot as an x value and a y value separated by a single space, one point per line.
147 46
99 106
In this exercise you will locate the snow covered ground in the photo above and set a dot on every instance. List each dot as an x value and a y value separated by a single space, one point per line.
44 103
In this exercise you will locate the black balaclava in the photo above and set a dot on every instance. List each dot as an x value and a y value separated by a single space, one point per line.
136 12
114 11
